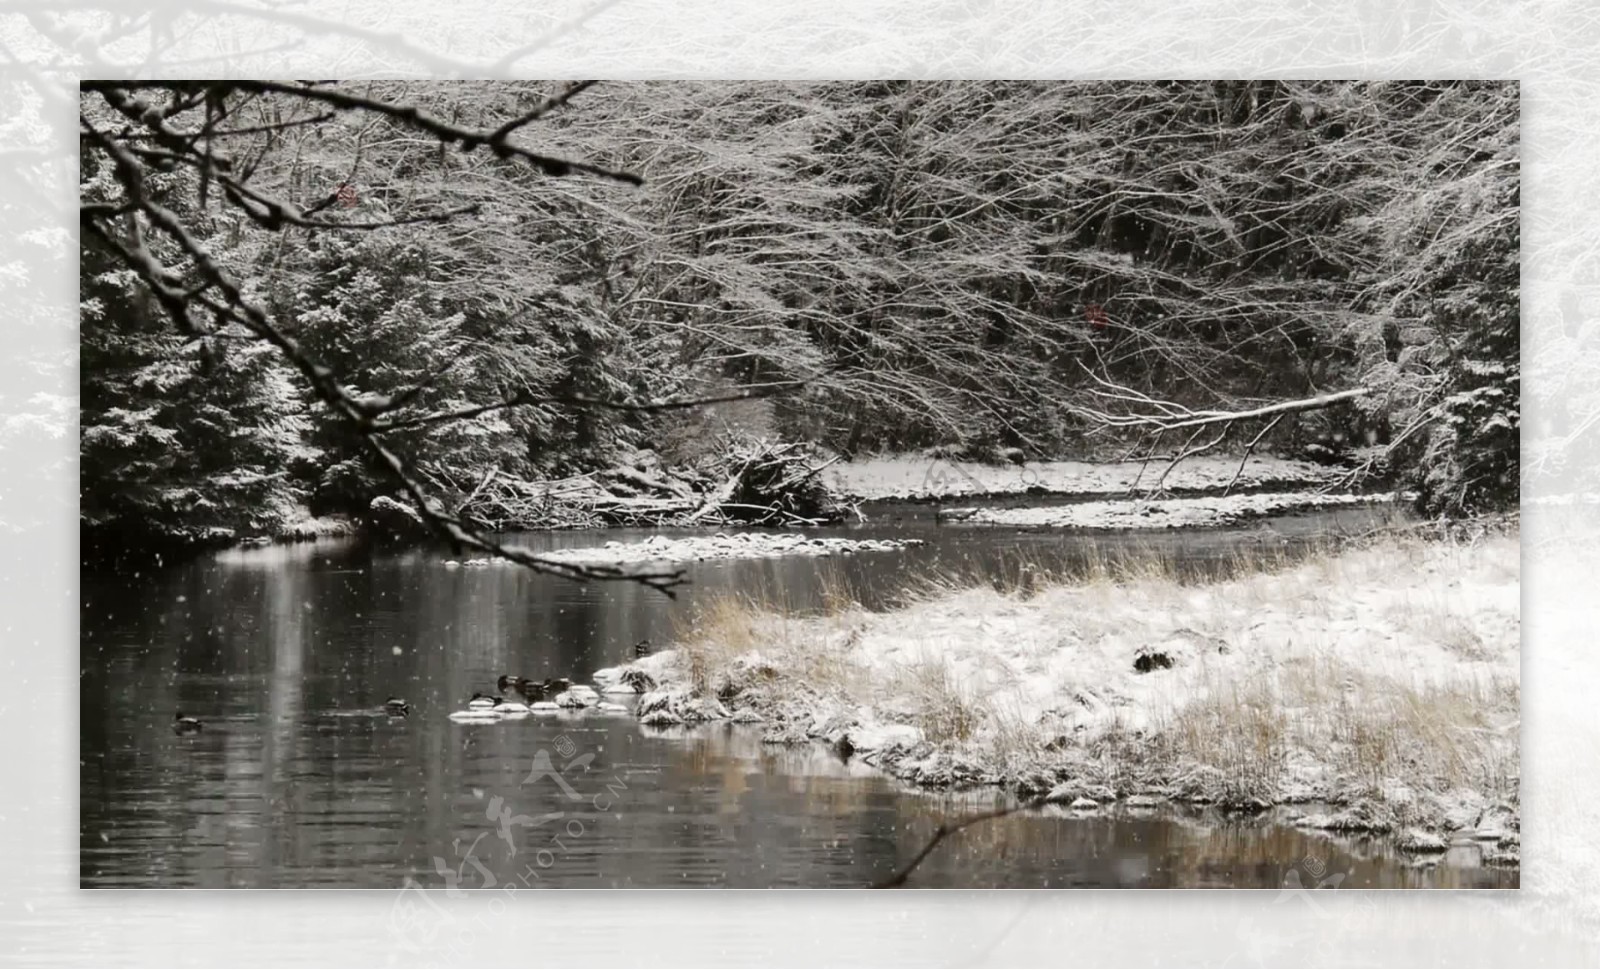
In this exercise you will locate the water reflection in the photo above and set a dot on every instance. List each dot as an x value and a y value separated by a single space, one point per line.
287 654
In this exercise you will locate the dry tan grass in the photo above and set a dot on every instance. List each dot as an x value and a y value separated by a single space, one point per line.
1445 623
1240 729
946 710
1385 665
1436 737
1371 728
809 649
718 632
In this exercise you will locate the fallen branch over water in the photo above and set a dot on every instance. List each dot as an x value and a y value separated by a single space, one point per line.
947 829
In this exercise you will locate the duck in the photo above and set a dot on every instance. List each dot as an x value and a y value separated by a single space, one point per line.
530 690
482 702
185 725
557 685
395 707
642 648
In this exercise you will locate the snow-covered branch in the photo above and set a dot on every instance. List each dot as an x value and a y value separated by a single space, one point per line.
215 290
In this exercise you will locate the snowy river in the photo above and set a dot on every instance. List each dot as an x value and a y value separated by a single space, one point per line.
287 654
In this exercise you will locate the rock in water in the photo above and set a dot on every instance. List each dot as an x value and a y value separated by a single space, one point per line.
640 681
1418 840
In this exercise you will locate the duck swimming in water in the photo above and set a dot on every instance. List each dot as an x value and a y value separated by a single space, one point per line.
395 707
533 691
530 690
185 725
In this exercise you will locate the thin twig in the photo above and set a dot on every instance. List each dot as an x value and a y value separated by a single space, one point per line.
1250 449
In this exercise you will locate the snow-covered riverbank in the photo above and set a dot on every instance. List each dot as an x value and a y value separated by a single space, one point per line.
913 477
742 545
1383 679
1176 513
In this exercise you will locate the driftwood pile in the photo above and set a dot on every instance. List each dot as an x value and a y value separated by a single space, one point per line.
753 482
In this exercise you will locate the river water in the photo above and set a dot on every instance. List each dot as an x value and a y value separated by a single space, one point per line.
287 653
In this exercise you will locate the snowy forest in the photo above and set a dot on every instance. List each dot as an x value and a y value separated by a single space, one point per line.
1054 483
518 283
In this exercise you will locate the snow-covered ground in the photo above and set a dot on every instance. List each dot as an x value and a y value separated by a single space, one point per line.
743 545
1384 679
1213 510
917 477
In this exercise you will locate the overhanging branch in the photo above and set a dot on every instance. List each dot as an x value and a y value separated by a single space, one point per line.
216 291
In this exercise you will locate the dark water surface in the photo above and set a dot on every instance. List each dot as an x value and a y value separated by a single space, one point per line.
287 653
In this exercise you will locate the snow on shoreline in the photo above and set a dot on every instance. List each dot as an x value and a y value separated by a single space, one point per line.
1163 513
743 545
912 477
1383 680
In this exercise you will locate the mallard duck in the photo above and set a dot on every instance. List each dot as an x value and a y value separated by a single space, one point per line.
395 707
557 685
482 702
185 725
642 648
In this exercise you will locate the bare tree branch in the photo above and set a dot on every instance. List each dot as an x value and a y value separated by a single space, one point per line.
468 139
1169 416
947 829
217 291
1249 450
524 398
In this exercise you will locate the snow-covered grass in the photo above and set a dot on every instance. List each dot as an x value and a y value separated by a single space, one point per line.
307 526
1383 676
